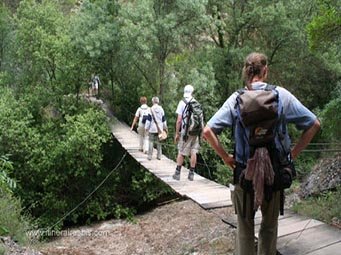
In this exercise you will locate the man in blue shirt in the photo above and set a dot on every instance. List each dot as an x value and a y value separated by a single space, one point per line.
255 73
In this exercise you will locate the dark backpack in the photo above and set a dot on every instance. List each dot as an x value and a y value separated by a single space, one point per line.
260 114
193 119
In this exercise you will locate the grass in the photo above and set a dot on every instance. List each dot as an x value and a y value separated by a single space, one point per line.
12 223
326 207
2 249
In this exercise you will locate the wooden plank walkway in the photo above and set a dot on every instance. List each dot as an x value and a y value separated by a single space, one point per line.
206 193
297 235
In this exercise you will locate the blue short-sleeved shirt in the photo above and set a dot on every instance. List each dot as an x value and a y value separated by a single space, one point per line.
293 110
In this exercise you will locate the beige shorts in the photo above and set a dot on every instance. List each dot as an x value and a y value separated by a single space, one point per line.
192 145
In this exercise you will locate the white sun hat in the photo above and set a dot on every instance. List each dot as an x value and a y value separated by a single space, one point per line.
188 90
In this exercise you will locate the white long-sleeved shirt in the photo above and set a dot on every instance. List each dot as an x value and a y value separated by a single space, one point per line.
160 118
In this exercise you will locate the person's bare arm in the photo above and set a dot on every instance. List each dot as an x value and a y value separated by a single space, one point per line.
177 128
305 139
134 122
213 140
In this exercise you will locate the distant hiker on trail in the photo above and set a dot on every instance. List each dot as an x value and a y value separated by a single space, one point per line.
141 116
95 82
262 163
188 130
155 124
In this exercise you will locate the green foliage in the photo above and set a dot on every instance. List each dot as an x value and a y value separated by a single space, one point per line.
5 29
331 120
138 188
64 156
12 223
6 183
325 27
66 160
2 249
40 33
325 207
156 29
210 164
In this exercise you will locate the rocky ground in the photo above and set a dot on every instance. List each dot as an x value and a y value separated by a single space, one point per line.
180 227
326 175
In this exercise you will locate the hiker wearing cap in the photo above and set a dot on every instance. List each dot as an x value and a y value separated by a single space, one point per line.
248 159
189 125
156 121
140 117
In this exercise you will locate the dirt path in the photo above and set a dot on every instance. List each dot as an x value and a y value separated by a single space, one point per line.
176 228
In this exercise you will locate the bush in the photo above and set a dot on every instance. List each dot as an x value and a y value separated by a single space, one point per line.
331 120
61 154
12 223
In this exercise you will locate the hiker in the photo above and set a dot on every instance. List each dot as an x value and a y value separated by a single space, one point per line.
140 117
255 73
155 124
188 140
95 82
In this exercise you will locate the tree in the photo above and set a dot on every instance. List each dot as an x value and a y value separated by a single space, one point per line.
277 29
325 27
95 32
155 29
40 41
5 28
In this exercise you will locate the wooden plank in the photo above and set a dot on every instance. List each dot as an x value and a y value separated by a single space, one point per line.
214 205
309 240
328 250
293 225
232 219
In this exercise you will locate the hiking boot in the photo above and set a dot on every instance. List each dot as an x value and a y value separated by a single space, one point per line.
190 175
176 175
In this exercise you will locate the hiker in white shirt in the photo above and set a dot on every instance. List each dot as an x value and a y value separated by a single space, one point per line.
141 116
156 120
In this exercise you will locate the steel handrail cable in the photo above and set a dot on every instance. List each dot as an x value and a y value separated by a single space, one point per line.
90 194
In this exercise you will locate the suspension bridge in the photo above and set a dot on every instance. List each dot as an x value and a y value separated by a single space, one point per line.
297 235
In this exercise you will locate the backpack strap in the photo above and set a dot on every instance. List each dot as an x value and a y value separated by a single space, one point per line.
187 108
281 203
157 125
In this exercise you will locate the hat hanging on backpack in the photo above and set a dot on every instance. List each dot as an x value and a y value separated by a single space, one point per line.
188 90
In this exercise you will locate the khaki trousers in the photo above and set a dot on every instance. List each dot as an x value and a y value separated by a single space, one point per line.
267 236
154 137
143 139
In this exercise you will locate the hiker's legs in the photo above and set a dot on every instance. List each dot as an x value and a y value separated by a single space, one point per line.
159 148
195 147
193 161
245 244
145 142
180 159
151 145
267 237
189 147
141 132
